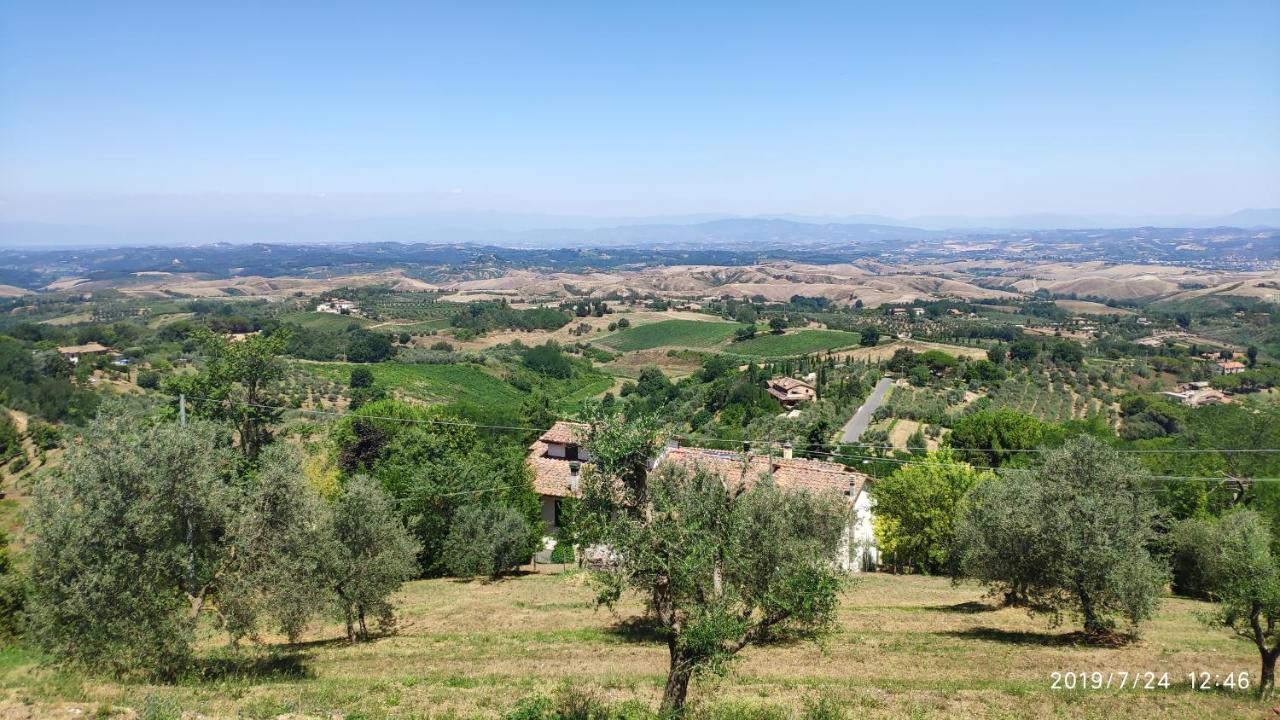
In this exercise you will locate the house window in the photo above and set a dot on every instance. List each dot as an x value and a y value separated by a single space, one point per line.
571 452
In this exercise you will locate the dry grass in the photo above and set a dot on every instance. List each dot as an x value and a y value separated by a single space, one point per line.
906 647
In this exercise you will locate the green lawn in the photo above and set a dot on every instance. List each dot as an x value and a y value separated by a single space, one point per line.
671 333
796 343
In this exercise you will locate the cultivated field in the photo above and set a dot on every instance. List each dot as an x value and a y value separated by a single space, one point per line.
906 647
671 333
794 343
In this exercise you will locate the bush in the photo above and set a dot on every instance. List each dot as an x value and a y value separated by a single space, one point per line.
148 379
486 540
46 436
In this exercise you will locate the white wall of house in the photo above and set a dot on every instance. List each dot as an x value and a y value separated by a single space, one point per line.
858 549
559 450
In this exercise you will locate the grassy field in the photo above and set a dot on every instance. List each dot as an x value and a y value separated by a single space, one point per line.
325 321
671 333
905 647
443 384
465 384
794 343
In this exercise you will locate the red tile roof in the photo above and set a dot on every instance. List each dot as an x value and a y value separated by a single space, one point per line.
795 473
787 383
566 433
551 475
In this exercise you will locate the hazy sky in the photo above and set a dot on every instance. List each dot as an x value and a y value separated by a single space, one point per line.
642 108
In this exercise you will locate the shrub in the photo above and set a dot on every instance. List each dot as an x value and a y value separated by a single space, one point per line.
486 540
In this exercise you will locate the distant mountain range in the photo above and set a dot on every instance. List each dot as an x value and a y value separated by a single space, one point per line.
46 223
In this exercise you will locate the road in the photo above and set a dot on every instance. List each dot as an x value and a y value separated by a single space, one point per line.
857 424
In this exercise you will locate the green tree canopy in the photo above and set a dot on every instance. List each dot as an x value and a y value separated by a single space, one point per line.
916 508
1070 535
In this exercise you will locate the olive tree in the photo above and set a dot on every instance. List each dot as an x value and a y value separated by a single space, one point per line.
488 540
1240 570
147 525
373 554
723 563
1071 535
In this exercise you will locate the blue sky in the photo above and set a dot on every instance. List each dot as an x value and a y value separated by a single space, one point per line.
650 108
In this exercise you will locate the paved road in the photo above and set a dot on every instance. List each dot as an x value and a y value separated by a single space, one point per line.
862 418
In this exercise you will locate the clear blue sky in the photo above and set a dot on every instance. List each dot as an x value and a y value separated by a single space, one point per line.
644 108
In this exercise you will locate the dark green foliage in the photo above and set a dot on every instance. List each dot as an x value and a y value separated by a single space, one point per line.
431 471
991 438
487 540
240 385
42 384
148 379
14 590
547 359
10 441
361 377
483 317
147 524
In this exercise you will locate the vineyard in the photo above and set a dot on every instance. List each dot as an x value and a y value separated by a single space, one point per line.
671 333
797 343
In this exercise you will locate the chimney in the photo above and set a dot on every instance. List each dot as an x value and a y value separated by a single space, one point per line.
574 472
786 451
746 447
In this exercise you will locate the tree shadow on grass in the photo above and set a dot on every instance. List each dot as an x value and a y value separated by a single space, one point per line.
967 608
1043 639
255 667
491 580
639 629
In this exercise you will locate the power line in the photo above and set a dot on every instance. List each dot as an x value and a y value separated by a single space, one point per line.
767 442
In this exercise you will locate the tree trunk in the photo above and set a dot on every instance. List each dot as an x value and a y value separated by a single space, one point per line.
351 626
677 688
1267 683
364 631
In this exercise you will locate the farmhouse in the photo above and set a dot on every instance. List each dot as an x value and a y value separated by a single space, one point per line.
790 391
340 307
858 550
1229 367
557 458
73 353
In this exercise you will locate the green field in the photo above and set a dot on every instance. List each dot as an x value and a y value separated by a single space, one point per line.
444 384
903 647
466 384
797 343
325 321
671 333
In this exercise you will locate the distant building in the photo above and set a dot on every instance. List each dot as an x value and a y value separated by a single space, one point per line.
339 307
1230 367
790 391
73 353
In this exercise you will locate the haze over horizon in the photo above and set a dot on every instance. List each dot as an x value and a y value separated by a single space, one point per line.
511 117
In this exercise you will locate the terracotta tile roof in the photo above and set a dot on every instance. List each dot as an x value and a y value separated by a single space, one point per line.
92 347
550 475
796 473
1231 365
787 383
566 433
